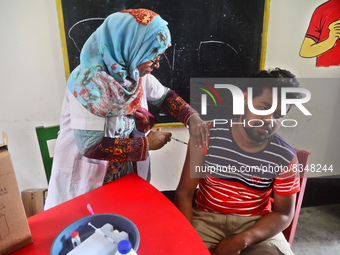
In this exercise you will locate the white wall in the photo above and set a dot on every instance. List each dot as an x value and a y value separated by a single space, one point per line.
32 81
288 23
33 85
319 134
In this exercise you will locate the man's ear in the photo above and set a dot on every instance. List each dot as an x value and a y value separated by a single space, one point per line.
245 96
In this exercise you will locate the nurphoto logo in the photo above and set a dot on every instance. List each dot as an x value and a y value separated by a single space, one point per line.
226 94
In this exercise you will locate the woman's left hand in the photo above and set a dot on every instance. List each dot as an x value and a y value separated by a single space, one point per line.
198 131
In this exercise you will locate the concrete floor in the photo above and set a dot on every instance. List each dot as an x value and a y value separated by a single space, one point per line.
318 231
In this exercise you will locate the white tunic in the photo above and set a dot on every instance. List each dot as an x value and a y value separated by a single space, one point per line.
73 174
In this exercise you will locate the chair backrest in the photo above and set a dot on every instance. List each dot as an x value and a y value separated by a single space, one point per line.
45 134
304 158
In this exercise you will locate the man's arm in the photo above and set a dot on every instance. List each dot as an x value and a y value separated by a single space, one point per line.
187 185
268 226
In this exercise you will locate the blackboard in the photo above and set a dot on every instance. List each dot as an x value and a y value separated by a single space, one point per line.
215 38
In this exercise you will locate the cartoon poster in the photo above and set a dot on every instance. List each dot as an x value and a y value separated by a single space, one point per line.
322 39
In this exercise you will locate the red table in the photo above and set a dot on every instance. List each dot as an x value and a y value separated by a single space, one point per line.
162 227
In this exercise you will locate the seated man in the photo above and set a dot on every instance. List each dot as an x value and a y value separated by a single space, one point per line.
233 213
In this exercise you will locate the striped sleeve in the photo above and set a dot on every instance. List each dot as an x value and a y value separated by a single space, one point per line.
288 181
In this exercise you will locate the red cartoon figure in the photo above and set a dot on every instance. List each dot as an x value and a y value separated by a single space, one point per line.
323 34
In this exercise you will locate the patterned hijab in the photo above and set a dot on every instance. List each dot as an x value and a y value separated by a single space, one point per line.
107 81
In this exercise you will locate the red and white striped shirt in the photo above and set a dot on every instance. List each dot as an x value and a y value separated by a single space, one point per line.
240 183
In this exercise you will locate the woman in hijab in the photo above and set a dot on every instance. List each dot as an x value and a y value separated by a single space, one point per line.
104 115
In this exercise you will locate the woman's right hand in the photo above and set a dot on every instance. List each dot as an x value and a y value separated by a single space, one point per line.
157 139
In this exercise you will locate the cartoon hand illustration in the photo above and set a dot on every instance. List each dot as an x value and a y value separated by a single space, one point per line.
310 48
323 33
334 30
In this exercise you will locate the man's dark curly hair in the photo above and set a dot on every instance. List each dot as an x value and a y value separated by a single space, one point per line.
280 78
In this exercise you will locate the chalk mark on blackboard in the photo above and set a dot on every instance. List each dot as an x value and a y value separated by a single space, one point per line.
81 21
171 66
173 58
199 47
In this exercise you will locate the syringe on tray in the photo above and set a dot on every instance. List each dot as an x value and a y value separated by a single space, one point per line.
98 230
103 241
